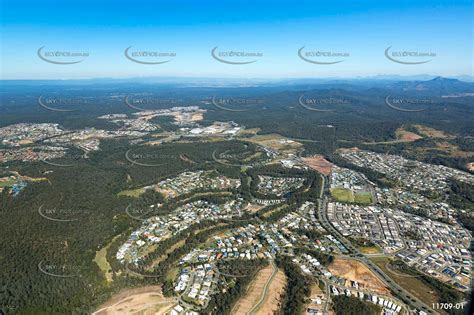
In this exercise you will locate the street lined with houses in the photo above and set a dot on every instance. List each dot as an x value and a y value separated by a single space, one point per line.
352 212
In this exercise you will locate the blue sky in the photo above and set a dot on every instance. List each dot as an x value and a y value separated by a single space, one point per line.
276 29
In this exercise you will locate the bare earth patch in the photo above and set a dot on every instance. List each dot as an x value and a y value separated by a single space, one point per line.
147 300
272 302
188 116
431 132
406 136
264 293
254 207
197 117
319 164
402 136
356 271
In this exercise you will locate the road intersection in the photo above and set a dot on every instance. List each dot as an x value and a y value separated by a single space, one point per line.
410 300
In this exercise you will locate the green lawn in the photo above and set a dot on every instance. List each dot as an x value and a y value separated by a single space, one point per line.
363 197
135 193
369 249
7 183
412 284
172 274
101 261
347 196
342 194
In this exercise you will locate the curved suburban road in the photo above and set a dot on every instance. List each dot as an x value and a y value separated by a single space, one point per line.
404 295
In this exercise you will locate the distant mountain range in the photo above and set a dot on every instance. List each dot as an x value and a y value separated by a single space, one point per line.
246 82
438 86
381 85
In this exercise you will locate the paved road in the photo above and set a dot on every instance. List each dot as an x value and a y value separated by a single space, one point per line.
404 295
328 297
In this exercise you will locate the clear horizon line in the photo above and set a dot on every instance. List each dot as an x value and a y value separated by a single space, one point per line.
243 78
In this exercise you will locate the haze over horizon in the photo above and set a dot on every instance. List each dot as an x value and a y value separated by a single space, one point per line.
278 37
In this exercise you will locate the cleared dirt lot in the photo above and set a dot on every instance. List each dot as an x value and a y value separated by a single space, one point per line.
146 300
356 271
407 136
254 207
319 164
273 298
470 166
402 135
264 293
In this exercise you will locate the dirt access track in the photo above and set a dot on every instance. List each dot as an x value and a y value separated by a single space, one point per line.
147 300
263 294
356 271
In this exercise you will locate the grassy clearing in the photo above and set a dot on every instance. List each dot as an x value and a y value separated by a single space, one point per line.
101 261
347 196
366 246
369 250
411 284
253 157
172 274
34 179
269 213
342 195
363 198
134 193
431 132
7 183
250 131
